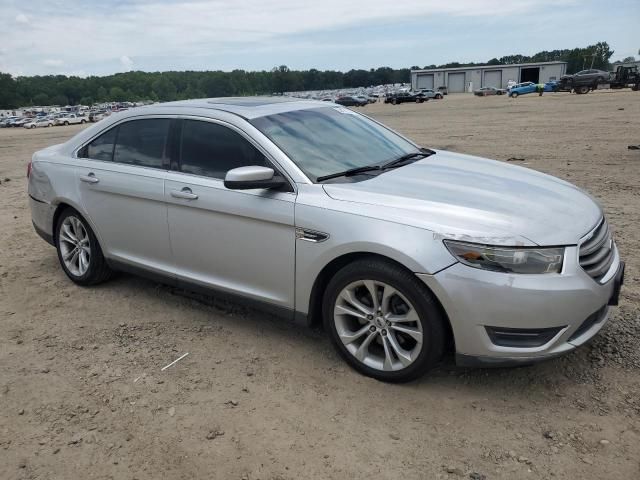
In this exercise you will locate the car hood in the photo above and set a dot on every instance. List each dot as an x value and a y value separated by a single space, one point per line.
475 199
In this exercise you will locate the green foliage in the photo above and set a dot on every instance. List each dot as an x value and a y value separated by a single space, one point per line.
166 86
593 56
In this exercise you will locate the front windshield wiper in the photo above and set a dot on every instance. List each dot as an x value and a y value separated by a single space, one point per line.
348 173
424 152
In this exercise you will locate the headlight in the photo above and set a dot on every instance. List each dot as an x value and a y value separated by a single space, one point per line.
507 259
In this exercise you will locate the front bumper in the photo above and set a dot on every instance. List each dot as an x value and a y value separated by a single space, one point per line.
571 302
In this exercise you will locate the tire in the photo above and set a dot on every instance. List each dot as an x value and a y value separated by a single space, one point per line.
581 90
82 121
498 93
32 126
73 231
439 97
379 358
514 95
66 124
394 102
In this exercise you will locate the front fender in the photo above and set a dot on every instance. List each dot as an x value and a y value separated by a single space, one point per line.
419 250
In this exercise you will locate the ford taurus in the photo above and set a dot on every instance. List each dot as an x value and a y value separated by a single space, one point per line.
322 214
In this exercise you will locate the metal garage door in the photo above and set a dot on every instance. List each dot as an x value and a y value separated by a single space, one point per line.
456 82
425 81
493 78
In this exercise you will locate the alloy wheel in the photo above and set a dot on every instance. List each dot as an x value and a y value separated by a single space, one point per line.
378 325
75 249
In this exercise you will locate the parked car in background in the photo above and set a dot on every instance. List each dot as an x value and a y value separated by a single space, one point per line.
19 122
486 91
405 97
39 122
98 115
401 251
584 81
349 101
588 77
429 93
7 122
552 86
70 119
522 89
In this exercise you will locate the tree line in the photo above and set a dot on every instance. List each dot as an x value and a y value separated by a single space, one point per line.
167 86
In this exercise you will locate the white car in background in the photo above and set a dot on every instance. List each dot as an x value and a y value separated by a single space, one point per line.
70 119
38 122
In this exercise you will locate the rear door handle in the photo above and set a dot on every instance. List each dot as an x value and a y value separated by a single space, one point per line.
185 193
90 178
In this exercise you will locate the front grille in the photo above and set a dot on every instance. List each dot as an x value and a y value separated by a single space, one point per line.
596 251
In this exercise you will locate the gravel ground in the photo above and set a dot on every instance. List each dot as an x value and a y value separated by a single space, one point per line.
82 394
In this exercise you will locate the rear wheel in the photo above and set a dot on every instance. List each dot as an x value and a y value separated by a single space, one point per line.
581 90
78 249
514 94
32 126
66 124
82 121
383 321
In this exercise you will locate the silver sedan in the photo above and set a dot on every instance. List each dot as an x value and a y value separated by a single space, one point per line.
324 215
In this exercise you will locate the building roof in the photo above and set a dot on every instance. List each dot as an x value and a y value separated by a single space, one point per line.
496 67
247 107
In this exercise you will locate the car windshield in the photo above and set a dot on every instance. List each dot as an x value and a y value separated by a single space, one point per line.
323 141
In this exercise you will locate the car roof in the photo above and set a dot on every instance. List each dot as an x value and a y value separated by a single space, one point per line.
246 107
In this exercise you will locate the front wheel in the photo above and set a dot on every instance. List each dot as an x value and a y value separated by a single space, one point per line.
79 252
383 321
33 126
66 124
514 95
82 121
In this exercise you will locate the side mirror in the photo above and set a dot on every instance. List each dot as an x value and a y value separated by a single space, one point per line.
254 176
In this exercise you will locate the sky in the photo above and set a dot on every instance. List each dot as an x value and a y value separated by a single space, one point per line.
102 37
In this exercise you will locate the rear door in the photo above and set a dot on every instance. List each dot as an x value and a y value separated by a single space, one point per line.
238 241
122 190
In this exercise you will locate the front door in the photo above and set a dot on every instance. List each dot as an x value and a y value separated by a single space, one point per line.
240 242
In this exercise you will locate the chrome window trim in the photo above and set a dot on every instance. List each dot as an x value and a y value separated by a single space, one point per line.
74 154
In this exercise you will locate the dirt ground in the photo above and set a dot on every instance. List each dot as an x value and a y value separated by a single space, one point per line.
82 395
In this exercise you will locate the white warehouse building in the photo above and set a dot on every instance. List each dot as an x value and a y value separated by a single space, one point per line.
467 79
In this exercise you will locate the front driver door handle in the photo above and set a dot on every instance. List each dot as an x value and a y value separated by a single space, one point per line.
90 178
185 193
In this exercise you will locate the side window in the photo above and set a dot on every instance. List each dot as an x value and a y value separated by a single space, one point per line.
211 150
100 148
143 143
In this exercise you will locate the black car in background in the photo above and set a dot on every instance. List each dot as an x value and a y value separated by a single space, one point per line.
348 101
404 97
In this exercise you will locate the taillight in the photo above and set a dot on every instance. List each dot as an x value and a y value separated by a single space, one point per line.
29 169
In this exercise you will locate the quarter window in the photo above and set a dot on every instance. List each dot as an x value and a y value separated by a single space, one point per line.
211 150
101 148
143 143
